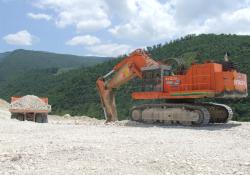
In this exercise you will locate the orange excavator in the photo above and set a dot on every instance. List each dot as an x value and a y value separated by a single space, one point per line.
206 80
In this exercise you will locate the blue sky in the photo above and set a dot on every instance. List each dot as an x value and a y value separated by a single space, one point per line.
114 27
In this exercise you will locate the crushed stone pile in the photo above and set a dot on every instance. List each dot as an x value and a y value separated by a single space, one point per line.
4 104
30 102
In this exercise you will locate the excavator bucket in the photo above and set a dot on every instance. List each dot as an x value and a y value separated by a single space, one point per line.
123 75
108 101
126 70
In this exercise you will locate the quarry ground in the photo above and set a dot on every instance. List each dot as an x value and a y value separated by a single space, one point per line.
87 146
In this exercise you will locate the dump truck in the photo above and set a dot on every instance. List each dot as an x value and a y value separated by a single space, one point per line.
179 92
30 108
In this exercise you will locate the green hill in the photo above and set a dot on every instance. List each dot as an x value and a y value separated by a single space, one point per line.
3 55
74 91
14 63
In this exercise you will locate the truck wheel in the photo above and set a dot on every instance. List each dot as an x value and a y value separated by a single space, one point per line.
41 118
45 118
17 116
20 117
13 116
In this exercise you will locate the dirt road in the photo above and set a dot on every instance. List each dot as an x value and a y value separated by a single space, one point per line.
86 146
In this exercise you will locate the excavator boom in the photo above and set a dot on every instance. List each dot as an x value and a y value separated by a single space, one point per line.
124 71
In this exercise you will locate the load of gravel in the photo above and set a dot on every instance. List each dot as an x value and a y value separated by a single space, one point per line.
30 102
4 104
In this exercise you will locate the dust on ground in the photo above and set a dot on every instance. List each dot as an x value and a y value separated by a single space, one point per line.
82 145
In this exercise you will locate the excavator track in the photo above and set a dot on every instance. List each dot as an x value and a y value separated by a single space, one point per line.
171 113
220 113
195 114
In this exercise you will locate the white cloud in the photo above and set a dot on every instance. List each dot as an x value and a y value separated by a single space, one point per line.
96 47
39 16
85 15
20 38
86 40
112 49
196 11
145 20
154 21
140 22
92 25
237 22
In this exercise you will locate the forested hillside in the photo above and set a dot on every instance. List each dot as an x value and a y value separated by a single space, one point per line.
3 55
12 64
74 91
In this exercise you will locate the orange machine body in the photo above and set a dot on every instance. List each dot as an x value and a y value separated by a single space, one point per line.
199 81
158 82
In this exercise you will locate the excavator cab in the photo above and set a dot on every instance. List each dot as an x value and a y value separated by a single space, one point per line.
152 77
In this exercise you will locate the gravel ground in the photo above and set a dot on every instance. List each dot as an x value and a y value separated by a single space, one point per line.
87 146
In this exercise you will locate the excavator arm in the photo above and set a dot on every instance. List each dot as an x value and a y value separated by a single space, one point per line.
126 70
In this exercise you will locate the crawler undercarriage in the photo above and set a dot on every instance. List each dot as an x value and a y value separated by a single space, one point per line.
196 114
